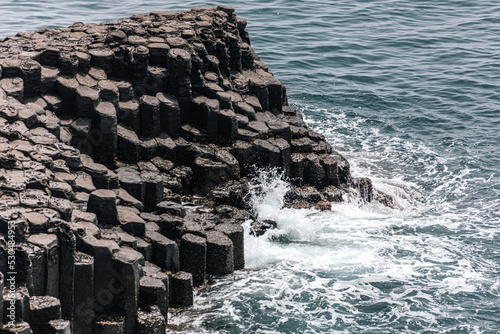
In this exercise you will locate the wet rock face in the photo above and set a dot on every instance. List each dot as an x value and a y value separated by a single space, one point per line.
125 149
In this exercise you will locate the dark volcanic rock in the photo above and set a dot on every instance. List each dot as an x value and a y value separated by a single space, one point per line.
262 226
42 310
124 152
59 326
153 292
171 208
150 116
235 233
165 251
220 254
150 322
131 222
133 183
126 263
128 145
169 114
193 252
86 101
103 204
182 286
154 190
84 312
31 73
106 134
105 324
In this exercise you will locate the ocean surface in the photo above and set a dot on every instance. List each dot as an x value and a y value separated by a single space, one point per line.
409 92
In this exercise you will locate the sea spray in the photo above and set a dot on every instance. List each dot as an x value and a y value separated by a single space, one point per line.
336 270
267 192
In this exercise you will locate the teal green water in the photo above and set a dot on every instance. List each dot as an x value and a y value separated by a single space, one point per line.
409 91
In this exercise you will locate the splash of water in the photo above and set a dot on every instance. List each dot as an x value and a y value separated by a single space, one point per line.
357 268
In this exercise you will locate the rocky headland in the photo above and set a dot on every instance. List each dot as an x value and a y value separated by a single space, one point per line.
125 153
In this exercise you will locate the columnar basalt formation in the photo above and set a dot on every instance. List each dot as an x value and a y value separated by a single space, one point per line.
125 152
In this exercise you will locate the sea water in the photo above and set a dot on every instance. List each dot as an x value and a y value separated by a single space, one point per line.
409 92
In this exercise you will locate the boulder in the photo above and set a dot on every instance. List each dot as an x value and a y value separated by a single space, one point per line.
158 53
21 327
137 66
109 91
128 200
66 88
68 63
332 194
13 87
128 145
20 298
267 154
206 113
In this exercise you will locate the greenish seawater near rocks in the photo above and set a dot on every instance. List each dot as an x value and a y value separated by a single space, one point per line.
409 92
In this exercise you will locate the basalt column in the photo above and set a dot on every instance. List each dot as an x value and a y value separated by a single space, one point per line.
179 81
